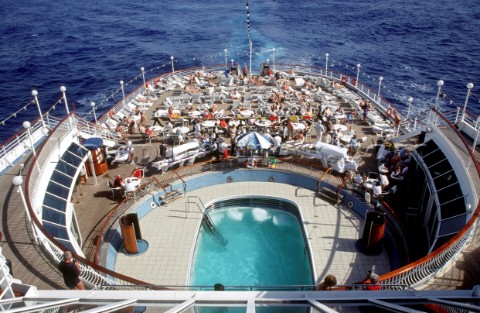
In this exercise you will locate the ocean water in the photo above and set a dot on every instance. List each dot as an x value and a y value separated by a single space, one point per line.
89 46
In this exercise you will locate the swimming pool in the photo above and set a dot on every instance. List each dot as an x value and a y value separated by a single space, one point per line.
258 246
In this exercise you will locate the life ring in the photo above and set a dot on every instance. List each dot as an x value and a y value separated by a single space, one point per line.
350 204
153 205
229 179
271 179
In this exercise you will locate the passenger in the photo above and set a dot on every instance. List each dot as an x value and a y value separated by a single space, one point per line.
377 189
137 172
118 182
373 282
383 181
245 71
328 283
70 270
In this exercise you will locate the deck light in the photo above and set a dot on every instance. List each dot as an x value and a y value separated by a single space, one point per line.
62 90
92 104
469 88
123 93
35 94
358 74
18 181
326 63
380 79
143 76
409 101
226 53
273 50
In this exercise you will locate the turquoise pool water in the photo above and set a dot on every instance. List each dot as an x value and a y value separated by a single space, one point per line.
263 248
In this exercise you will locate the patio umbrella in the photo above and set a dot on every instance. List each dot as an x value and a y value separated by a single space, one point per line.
254 140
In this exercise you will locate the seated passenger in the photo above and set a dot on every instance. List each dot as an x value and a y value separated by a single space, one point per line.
137 172
328 283
118 182
373 283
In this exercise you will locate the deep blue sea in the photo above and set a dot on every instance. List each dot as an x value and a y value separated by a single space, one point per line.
89 46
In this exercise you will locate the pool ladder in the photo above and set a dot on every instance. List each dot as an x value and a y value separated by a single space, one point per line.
206 218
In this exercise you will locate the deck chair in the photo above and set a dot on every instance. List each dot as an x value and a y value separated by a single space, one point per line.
121 155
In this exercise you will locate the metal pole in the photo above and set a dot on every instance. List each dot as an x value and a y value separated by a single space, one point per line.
123 93
92 104
469 88
226 53
358 74
273 58
326 63
251 46
380 79
63 89
27 126
18 181
34 94
173 68
143 76
437 99
232 62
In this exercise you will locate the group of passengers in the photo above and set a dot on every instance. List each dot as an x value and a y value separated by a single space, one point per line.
370 282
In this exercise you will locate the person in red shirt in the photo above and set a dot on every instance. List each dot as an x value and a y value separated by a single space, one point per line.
137 172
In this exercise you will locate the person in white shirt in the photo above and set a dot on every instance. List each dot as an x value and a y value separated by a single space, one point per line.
384 182
377 189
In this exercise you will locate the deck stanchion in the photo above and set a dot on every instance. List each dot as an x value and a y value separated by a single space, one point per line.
123 93
439 92
464 113
380 79
326 63
34 94
358 75
143 76
273 59
18 181
226 62
251 51
92 104
173 68
62 90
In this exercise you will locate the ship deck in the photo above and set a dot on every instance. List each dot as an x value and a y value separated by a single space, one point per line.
93 202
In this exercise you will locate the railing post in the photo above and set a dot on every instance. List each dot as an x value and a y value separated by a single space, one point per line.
358 75
469 88
380 79
326 63
457 115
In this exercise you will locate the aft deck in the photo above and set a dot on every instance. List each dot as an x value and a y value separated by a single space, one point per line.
93 203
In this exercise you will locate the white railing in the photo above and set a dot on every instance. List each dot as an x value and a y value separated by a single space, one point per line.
6 279
19 145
